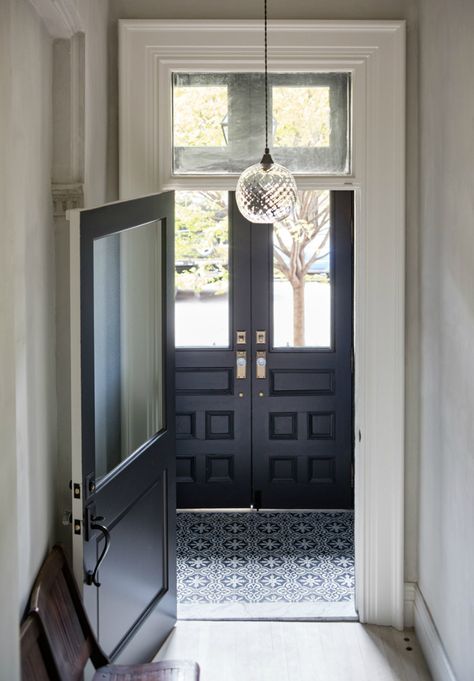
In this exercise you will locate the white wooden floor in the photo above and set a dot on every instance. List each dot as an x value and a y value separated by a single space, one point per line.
297 651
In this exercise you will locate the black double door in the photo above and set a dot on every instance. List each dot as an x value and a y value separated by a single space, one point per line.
267 420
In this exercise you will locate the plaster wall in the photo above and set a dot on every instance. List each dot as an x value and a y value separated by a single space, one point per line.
84 117
323 9
95 18
27 298
446 549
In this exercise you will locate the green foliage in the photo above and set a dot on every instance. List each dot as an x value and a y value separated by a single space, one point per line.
302 115
201 245
198 114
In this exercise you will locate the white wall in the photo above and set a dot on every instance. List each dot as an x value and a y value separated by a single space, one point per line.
86 167
95 18
29 518
447 324
324 9
27 340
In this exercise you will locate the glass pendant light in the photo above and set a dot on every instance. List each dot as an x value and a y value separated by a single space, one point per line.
266 191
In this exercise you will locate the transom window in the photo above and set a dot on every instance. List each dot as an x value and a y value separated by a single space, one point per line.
218 122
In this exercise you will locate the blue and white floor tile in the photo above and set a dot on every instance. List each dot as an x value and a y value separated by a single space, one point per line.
265 565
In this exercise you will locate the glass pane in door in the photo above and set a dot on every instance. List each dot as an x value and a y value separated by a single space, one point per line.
302 310
128 350
202 269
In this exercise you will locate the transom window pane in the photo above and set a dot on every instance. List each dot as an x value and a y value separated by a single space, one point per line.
199 112
219 122
201 269
302 311
302 116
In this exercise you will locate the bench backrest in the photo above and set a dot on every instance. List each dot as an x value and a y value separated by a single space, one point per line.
37 663
56 600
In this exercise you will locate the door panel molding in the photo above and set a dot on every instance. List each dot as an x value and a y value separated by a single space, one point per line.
374 52
323 381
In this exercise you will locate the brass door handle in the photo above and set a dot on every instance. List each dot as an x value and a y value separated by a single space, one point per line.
241 364
261 365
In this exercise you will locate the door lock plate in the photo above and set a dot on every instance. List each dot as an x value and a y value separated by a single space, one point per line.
261 365
241 337
241 362
261 337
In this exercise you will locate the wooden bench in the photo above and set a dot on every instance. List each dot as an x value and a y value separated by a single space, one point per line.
57 638
37 663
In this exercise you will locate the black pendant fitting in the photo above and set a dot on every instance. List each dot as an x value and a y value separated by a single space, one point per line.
267 160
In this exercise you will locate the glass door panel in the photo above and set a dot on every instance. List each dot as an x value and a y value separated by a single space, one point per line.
302 288
128 350
202 309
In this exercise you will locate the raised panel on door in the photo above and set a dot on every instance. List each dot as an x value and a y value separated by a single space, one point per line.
302 408
213 436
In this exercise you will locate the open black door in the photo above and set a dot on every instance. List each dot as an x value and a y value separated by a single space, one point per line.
124 468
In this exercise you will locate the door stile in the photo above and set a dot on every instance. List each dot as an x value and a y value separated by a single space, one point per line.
75 395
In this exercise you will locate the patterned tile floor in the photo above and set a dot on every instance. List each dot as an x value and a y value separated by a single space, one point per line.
265 565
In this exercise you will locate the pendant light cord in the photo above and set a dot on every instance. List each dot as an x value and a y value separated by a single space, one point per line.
266 80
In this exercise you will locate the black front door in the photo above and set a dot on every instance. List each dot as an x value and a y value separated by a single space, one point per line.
267 419
127 485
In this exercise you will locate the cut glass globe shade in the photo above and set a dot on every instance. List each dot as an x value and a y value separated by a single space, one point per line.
266 192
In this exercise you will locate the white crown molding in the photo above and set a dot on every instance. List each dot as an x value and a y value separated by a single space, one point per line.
177 26
430 641
61 17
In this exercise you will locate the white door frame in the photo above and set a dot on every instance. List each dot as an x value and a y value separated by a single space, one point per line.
374 53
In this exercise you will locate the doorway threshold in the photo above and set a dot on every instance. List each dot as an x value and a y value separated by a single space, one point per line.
270 565
284 612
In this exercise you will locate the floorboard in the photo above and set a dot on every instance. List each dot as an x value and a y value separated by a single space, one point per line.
297 651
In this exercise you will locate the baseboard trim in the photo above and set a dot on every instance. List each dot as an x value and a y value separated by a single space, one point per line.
409 600
427 634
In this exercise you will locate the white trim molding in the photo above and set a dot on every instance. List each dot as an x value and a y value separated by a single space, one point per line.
410 591
61 17
374 53
430 641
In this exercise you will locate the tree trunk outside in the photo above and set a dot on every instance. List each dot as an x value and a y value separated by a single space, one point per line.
298 314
